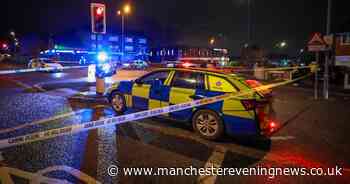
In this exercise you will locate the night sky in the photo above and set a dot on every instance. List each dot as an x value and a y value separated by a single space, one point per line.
189 22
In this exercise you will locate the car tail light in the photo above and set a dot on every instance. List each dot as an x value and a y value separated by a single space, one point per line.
272 124
186 65
249 104
253 83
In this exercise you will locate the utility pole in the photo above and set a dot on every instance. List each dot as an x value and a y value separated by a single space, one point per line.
326 65
123 37
249 22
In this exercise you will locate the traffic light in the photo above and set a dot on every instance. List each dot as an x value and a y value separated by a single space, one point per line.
98 18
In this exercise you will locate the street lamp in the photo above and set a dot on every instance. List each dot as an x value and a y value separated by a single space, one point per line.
282 44
212 41
126 10
12 33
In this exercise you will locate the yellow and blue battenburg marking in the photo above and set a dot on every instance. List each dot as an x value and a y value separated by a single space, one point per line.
237 119
142 96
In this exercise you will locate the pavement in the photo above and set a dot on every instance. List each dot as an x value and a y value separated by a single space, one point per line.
311 134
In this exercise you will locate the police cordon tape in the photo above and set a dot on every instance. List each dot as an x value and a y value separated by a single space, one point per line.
4 72
72 129
311 67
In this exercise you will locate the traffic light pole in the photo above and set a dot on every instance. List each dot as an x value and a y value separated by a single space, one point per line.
316 77
100 82
123 37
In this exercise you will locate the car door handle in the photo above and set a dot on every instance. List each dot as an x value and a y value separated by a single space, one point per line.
197 97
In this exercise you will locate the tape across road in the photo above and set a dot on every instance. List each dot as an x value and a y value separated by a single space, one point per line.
4 72
72 129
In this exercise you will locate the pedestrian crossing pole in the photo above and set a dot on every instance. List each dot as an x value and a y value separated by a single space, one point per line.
316 77
98 27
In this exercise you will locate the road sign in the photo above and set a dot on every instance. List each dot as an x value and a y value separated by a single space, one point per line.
328 39
317 43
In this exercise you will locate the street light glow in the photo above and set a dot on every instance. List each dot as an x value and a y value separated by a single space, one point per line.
283 44
212 41
127 9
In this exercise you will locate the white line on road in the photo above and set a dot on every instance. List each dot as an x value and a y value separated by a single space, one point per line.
74 172
282 138
73 113
215 161
26 86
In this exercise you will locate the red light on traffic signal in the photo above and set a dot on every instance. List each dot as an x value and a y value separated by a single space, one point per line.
99 11
98 18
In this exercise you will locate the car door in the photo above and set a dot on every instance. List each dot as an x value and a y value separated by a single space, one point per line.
148 90
183 89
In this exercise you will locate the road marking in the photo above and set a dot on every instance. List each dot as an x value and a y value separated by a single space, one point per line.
74 172
36 86
281 138
6 172
73 113
63 92
215 161
26 86
101 106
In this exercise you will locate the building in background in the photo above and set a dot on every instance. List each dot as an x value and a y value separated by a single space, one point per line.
136 47
342 49
342 57
82 47
200 55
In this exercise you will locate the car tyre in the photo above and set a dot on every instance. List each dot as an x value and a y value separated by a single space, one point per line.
208 124
118 102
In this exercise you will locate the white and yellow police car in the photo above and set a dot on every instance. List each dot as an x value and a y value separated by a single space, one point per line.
246 115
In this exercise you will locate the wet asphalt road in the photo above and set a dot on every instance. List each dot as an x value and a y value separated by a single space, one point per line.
312 134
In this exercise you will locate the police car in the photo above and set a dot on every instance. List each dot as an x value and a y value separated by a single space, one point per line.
45 63
246 115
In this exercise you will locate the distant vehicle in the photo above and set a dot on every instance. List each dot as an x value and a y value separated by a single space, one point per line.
45 63
172 64
189 65
4 56
138 64
245 115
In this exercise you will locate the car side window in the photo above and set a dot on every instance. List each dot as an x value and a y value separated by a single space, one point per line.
162 76
220 84
189 80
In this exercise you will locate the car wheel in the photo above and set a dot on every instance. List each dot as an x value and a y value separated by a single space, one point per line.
208 124
118 102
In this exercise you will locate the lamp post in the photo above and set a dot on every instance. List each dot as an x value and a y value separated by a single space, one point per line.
125 11
249 22
326 67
